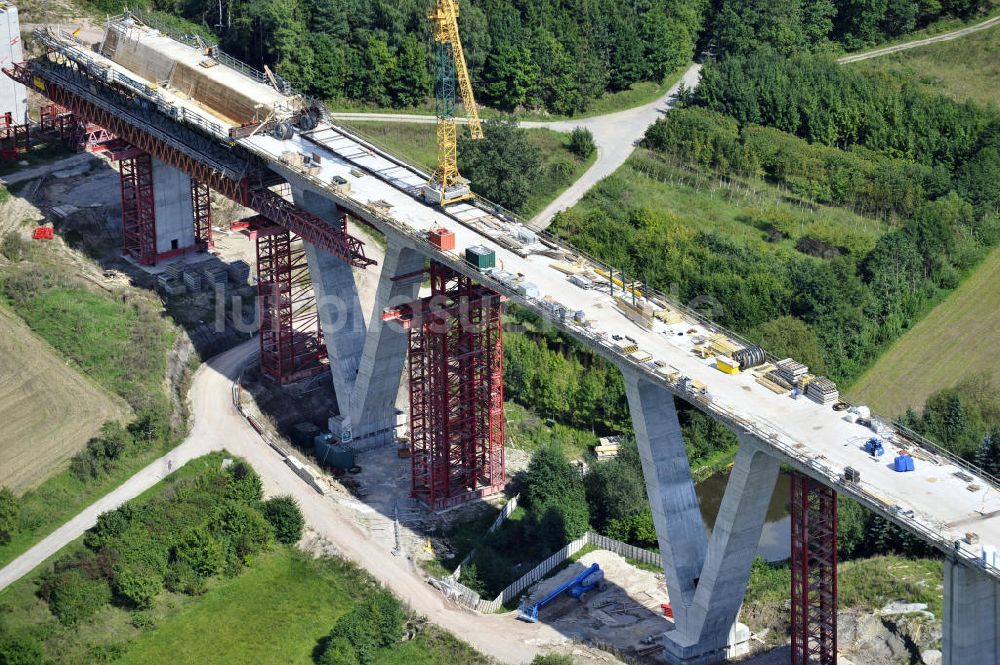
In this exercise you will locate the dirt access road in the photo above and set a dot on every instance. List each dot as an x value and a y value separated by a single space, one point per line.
217 425
615 135
947 36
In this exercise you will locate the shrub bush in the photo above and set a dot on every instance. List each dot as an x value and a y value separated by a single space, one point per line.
110 526
244 484
10 515
552 659
243 529
370 626
20 650
338 651
15 246
199 550
581 143
136 584
72 594
285 516
182 578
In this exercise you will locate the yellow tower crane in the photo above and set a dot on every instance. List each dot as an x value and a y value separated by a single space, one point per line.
446 185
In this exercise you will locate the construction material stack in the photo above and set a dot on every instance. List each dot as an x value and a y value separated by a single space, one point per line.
193 281
822 391
791 371
239 271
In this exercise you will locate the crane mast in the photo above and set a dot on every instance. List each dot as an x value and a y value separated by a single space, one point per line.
446 184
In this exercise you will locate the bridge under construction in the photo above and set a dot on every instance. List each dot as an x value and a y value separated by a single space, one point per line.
183 118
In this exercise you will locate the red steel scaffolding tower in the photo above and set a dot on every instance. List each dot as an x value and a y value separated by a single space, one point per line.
814 572
14 140
138 212
291 340
201 205
456 391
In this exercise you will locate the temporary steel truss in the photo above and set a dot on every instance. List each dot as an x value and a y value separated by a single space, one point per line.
231 172
291 340
814 572
138 211
201 205
456 391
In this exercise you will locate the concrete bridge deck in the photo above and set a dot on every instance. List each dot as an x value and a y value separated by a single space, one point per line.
939 502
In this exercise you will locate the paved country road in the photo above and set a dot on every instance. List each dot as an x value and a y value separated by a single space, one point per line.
615 134
947 36
217 425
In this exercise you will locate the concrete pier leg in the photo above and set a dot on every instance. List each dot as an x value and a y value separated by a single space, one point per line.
373 409
173 209
676 513
711 632
706 579
338 304
971 625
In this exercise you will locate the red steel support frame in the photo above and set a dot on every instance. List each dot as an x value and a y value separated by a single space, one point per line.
201 205
291 339
138 212
814 572
456 391
14 140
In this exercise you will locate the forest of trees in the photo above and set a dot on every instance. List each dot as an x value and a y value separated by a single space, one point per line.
548 55
791 26
555 56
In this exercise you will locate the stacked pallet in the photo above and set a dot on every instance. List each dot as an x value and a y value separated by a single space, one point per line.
173 271
239 271
791 371
192 280
720 345
822 391
216 276
169 281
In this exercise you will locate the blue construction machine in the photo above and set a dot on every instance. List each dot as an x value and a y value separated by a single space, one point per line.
579 585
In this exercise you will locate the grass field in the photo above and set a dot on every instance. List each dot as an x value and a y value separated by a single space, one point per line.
302 598
961 336
415 143
963 68
47 410
736 210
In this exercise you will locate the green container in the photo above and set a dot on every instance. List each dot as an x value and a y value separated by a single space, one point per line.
329 452
303 434
481 258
